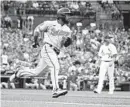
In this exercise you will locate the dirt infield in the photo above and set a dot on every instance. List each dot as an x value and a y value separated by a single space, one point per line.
42 98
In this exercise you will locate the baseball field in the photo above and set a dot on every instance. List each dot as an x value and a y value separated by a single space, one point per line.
43 98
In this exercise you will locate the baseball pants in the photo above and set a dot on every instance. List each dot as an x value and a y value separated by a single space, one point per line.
49 59
105 67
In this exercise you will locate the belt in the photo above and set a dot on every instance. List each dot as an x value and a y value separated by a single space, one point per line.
107 61
5 64
57 51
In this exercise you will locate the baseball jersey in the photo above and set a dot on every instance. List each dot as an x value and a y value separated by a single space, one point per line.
55 32
106 52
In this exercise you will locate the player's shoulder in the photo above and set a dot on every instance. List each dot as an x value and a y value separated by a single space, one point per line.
112 45
50 22
66 28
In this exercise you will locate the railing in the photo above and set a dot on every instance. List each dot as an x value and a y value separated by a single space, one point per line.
124 86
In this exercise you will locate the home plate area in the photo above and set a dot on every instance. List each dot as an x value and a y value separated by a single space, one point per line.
42 98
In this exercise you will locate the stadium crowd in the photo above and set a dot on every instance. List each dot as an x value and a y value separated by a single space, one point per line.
18 51
78 62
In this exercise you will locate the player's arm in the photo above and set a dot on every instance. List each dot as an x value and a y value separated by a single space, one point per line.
100 52
38 30
99 56
41 28
114 53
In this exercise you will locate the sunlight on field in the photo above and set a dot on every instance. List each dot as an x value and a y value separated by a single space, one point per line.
40 98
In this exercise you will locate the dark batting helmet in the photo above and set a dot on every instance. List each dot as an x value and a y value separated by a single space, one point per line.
62 13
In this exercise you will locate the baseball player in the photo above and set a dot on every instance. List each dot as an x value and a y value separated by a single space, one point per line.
107 54
56 35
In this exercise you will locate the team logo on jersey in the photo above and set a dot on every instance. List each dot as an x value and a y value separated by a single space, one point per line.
55 31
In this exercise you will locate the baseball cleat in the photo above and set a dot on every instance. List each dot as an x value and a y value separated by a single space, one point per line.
95 91
59 93
55 95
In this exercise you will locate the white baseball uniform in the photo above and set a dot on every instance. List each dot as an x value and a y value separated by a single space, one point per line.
48 57
107 65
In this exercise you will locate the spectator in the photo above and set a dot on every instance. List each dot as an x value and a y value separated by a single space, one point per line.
72 78
32 83
107 53
35 5
4 85
48 82
5 64
8 21
4 58
42 84
19 22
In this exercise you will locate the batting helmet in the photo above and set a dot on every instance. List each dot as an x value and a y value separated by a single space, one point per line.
62 14
63 11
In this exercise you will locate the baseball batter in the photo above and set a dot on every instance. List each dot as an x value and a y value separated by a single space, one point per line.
107 54
55 33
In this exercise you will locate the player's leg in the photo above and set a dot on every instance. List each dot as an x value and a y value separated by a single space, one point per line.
102 72
36 71
31 72
53 65
26 72
111 78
